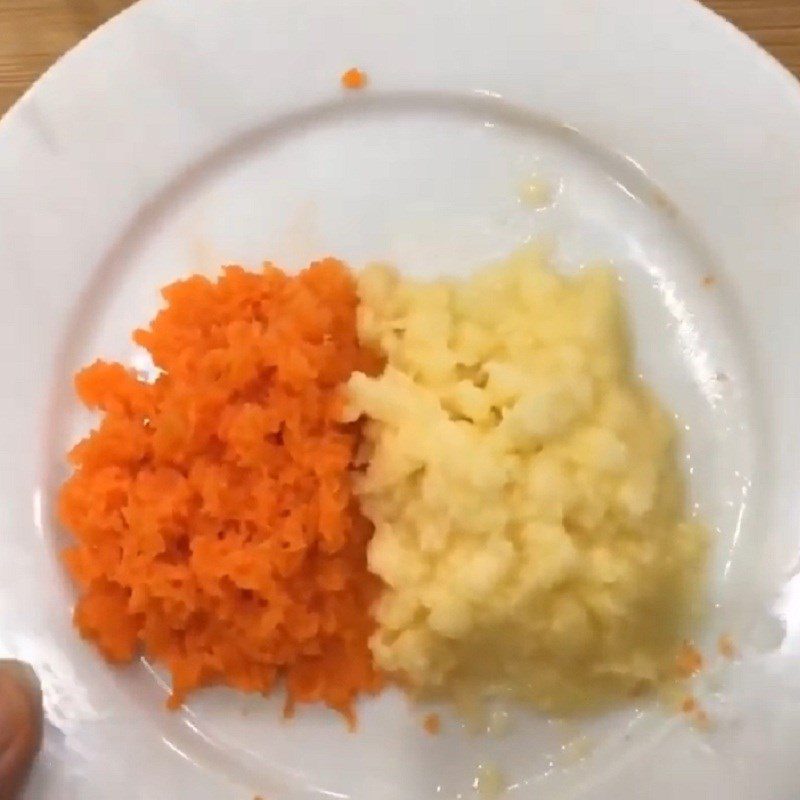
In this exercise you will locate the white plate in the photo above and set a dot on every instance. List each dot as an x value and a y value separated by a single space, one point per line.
190 132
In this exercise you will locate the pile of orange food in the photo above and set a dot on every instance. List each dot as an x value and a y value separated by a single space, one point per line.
214 523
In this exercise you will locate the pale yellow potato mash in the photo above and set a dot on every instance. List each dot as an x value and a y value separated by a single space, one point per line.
529 516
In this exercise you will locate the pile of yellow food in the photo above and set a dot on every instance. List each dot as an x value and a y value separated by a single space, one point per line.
528 510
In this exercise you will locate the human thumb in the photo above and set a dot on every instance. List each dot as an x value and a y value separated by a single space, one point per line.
20 725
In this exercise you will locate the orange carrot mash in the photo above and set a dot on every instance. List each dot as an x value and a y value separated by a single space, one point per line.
215 529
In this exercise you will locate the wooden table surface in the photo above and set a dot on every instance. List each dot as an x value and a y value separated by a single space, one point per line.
33 33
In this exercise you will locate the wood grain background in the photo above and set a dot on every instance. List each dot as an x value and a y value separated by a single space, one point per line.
34 33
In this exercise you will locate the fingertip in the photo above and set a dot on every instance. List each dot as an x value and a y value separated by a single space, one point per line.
21 723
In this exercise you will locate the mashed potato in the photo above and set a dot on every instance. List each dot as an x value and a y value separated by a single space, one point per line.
527 506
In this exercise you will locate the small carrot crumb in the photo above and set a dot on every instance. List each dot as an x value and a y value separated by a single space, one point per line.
709 281
701 720
726 646
699 717
689 660
354 78
432 724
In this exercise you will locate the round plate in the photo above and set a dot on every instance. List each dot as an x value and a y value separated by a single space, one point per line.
188 133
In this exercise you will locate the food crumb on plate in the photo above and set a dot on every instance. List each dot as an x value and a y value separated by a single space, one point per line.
689 660
575 750
354 78
696 713
536 192
689 705
432 724
726 646
489 781
701 720
661 201
498 723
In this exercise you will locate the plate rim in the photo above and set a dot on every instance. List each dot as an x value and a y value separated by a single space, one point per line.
60 71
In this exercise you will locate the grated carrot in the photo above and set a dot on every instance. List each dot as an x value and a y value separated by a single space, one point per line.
214 522
354 78
689 660
689 705
432 724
